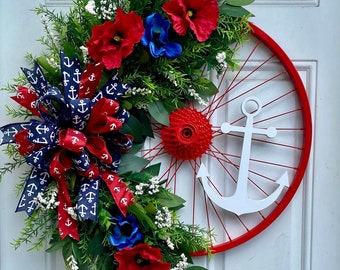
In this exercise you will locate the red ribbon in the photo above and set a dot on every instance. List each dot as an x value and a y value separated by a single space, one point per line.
59 165
27 98
25 147
119 190
75 141
66 223
90 79
103 118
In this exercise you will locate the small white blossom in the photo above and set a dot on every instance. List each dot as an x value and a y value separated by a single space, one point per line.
91 7
71 211
107 10
49 201
85 53
140 188
197 97
150 188
181 265
138 91
163 218
72 263
220 57
53 62
169 243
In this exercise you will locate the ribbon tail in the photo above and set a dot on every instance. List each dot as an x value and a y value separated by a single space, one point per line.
36 183
119 191
88 199
66 223
10 131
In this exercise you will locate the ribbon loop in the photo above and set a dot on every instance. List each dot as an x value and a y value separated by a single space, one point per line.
72 140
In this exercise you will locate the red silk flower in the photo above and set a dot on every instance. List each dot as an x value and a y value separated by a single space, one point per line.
141 257
201 16
113 41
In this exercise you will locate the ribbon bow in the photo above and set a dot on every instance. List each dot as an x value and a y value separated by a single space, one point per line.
78 130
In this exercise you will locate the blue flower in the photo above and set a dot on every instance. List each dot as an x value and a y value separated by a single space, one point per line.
125 232
156 37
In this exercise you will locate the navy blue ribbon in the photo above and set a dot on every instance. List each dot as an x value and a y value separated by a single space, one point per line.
87 204
71 75
10 130
36 182
37 79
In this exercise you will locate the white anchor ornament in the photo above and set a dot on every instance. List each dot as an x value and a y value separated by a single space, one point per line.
239 203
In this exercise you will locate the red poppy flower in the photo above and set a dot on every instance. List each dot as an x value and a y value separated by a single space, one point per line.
201 16
140 257
113 41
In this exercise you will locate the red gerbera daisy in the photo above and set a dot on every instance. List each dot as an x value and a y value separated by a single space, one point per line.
113 41
201 16
141 257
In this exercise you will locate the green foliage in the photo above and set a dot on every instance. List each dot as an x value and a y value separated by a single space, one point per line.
38 227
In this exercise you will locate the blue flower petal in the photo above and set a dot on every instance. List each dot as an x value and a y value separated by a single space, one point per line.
173 49
155 50
156 37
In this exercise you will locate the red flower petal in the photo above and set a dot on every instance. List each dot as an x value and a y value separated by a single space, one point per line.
113 41
202 20
176 11
140 257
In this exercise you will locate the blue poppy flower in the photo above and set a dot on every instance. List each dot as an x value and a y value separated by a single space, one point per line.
125 232
156 37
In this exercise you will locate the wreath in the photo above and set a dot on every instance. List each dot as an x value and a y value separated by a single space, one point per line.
113 70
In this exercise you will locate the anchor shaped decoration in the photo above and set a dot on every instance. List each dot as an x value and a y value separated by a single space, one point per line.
239 203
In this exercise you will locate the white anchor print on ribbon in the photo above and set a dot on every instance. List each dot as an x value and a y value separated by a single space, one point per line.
239 203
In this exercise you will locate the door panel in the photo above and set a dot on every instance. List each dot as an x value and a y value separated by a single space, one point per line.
307 234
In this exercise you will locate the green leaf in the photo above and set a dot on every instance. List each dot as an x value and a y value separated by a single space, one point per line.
57 245
105 263
42 61
239 3
159 113
209 89
136 147
131 163
135 128
137 210
233 11
153 169
145 120
196 268
169 199
95 244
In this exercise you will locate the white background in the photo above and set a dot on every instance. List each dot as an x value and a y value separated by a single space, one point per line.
307 235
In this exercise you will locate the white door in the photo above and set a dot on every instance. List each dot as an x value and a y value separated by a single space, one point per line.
307 235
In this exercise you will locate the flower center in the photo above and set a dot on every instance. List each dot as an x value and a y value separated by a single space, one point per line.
188 136
190 13
126 229
141 261
117 39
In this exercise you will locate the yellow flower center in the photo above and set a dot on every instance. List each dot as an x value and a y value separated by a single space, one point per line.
117 39
190 13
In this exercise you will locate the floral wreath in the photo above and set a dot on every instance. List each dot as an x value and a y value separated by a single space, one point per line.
111 69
